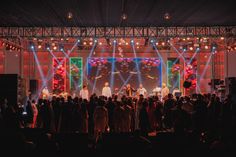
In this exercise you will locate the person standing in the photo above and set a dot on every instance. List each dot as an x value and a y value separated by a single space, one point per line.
84 94
106 91
142 91
129 90
35 113
164 91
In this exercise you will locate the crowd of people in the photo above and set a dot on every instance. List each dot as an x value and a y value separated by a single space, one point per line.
203 114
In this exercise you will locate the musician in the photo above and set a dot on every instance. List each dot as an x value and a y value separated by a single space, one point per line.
84 94
106 91
45 93
157 92
164 91
142 91
129 90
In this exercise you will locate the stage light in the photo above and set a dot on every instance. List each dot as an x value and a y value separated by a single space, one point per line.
90 43
188 38
163 43
78 41
198 48
124 16
54 47
39 46
137 43
62 39
152 41
156 43
85 43
69 15
114 41
222 38
95 40
191 48
184 48
100 43
166 16
132 41
61 47
126 43
32 47
206 47
184 39
137 47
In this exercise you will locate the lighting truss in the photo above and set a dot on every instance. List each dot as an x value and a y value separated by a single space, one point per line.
116 32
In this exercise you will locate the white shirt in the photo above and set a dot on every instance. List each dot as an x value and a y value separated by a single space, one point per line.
142 91
164 92
106 91
84 94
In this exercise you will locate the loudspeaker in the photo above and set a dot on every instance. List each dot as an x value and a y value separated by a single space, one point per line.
9 88
230 84
33 86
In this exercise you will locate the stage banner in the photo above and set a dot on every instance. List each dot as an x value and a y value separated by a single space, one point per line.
59 75
173 74
76 73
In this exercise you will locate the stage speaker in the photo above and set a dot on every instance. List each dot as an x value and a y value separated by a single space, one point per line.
33 86
230 84
9 88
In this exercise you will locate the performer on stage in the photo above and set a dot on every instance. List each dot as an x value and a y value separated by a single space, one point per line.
157 92
129 90
164 91
142 91
106 91
84 94
45 93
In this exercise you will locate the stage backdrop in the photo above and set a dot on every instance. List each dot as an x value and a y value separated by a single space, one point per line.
121 71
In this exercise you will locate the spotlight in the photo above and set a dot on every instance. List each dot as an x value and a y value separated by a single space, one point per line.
100 43
95 40
78 40
137 43
32 47
184 48
61 47
69 15
114 41
90 43
191 48
124 16
132 41
39 46
163 43
156 43
47 46
222 38
166 16
54 47
152 41
126 43
85 43
206 47
198 48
